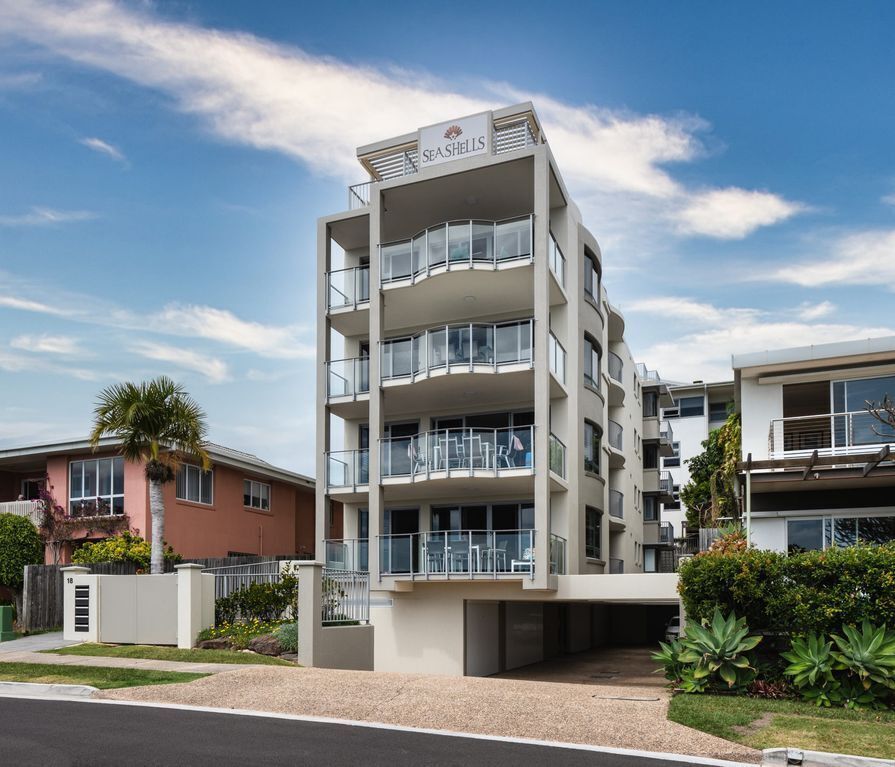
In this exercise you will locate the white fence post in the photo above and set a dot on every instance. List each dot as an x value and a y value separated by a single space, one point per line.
308 612
80 604
192 607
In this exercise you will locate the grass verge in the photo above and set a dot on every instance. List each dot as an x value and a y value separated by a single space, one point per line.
95 676
152 652
784 723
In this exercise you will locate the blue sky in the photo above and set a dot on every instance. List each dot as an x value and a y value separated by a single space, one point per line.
162 165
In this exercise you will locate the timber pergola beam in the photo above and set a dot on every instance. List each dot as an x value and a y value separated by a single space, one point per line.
811 461
876 460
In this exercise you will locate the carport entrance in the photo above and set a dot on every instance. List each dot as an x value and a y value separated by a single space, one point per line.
580 640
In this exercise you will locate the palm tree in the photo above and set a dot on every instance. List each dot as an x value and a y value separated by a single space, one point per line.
157 422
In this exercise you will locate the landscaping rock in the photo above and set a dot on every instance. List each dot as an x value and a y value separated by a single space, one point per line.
266 645
290 656
221 643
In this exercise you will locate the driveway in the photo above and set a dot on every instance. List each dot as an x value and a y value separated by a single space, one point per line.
607 715
610 666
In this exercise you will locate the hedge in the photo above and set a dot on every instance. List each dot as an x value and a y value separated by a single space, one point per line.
780 594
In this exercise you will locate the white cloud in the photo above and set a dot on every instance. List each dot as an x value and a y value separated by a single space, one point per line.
809 311
20 81
225 327
46 217
888 199
48 344
731 213
28 305
103 147
861 258
317 109
213 369
705 352
25 363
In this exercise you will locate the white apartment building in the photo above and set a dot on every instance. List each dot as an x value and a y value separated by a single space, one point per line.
494 447
818 469
698 409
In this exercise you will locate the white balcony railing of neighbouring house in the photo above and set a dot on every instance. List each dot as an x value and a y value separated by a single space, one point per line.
666 433
557 452
347 553
463 452
557 555
616 566
348 378
33 510
557 358
556 260
616 435
645 374
666 482
346 597
616 367
456 245
616 504
470 346
348 287
851 433
458 553
348 469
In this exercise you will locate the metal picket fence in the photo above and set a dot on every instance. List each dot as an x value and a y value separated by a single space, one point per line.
235 577
346 597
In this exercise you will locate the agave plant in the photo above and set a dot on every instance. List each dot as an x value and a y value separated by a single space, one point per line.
869 654
720 646
669 656
811 668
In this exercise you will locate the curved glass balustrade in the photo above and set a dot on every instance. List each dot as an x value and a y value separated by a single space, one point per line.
456 244
469 345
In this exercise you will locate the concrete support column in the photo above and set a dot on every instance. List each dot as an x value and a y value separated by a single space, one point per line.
193 598
324 345
80 605
377 421
308 610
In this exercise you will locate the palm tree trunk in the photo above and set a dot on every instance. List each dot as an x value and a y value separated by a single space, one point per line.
157 512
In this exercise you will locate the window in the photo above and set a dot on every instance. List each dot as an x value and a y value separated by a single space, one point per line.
804 535
690 406
592 354
593 524
650 404
592 437
194 485
591 276
256 495
853 396
96 487
718 411
673 460
650 508
649 561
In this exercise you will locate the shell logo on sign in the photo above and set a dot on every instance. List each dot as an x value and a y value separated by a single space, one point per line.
453 132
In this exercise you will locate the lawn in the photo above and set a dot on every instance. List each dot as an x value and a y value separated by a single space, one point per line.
152 652
782 723
103 678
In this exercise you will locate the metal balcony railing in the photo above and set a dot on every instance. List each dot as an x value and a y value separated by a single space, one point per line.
557 555
348 378
616 435
348 287
347 469
458 452
616 504
456 245
347 553
645 374
557 452
359 195
557 358
666 483
556 260
851 433
666 533
459 553
470 346
666 433
616 367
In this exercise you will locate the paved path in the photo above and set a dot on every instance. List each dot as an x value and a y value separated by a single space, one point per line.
49 641
106 735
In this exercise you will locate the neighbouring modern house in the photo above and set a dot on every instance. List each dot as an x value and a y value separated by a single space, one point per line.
243 505
495 448
818 468
698 409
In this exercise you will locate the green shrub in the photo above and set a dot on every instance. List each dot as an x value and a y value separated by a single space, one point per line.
20 545
287 634
239 633
124 547
264 602
817 591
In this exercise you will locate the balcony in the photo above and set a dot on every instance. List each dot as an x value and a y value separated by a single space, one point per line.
557 262
359 195
556 358
348 386
347 554
348 299
616 445
33 510
616 506
348 472
557 451
616 566
456 245
666 533
462 555
666 487
616 379
830 434
645 375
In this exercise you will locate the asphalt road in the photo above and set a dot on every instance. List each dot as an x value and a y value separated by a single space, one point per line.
78 734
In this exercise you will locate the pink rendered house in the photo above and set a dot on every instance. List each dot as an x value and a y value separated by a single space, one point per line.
243 505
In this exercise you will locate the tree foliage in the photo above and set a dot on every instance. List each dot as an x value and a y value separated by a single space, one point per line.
711 492
125 547
20 545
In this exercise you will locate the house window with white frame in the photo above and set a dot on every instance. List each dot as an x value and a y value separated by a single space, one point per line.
194 484
96 487
256 495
